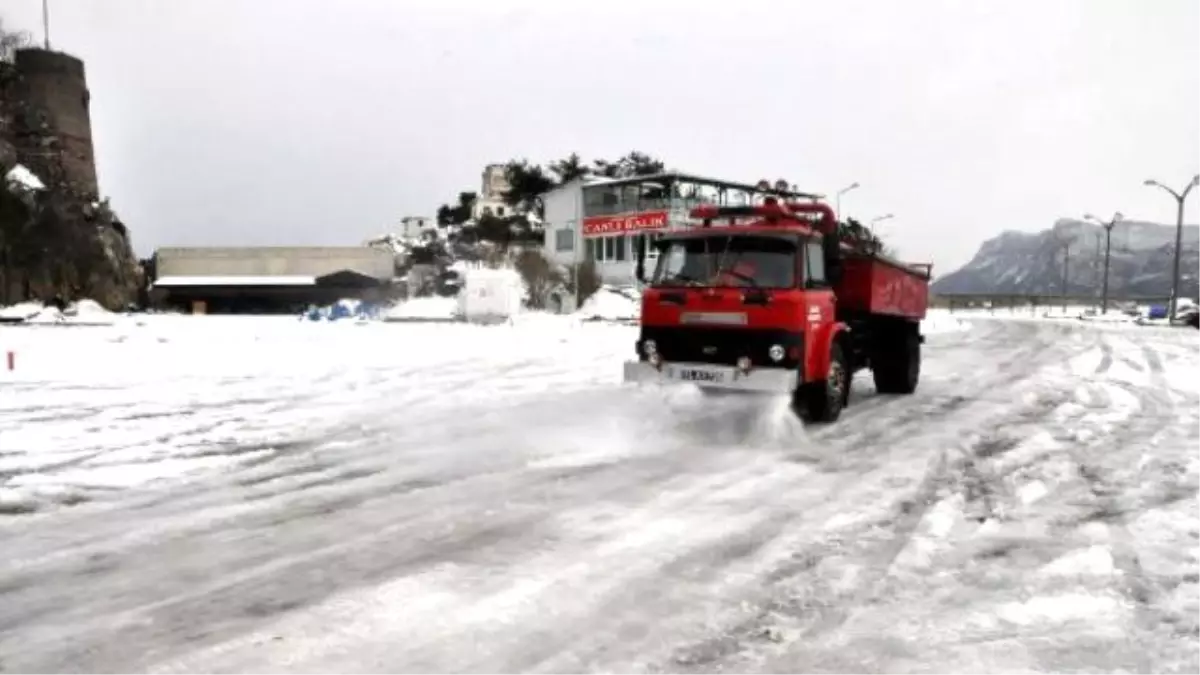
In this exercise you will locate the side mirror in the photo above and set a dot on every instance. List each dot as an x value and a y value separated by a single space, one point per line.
641 258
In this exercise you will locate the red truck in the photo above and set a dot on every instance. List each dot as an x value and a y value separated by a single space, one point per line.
769 299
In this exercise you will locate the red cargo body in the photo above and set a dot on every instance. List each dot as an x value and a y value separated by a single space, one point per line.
877 285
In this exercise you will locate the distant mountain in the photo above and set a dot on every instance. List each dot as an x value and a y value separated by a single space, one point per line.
1031 263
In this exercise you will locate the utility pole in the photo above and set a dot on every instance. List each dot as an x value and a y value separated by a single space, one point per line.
1179 198
1108 228
1065 242
1066 272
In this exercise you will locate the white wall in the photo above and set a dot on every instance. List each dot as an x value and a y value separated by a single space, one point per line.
496 205
563 209
413 226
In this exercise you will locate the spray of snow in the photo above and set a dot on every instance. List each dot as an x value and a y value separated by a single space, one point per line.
611 304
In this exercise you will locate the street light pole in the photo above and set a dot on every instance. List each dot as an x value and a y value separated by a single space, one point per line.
1180 197
1066 268
1108 228
838 198
1064 241
878 219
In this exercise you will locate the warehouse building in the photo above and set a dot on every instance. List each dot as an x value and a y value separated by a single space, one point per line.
268 280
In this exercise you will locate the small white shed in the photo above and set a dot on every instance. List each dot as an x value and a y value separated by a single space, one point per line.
490 295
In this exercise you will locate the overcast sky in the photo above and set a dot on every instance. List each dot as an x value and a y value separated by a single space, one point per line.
322 122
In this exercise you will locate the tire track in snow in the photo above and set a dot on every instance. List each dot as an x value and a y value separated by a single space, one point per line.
617 592
821 614
1113 489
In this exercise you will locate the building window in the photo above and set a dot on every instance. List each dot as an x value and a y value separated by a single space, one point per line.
500 211
564 239
610 249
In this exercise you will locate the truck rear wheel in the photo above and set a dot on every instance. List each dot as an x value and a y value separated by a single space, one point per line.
823 400
897 367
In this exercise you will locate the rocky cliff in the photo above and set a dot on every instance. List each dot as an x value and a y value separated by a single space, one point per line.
59 240
1032 263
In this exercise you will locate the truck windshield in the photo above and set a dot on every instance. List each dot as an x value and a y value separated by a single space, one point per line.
726 260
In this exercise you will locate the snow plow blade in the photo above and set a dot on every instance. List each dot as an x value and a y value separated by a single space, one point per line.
762 380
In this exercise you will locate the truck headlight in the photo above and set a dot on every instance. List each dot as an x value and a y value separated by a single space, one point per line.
649 347
776 353
744 364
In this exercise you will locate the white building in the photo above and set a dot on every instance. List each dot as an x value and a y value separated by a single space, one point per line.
414 226
492 189
601 219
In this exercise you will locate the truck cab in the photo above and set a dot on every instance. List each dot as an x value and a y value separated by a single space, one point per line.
748 301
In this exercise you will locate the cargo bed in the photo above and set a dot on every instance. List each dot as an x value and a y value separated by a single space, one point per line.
876 284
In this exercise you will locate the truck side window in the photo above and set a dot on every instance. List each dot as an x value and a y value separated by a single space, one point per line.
814 264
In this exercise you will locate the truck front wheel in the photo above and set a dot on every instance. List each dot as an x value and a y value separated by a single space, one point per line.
823 400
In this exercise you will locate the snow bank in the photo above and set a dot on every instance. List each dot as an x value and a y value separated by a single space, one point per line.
46 316
611 304
88 312
20 311
428 309
82 313
940 321
1106 317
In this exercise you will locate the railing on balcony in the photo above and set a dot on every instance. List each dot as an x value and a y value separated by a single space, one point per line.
610 208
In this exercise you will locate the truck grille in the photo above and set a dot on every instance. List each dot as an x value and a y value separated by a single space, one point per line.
720 345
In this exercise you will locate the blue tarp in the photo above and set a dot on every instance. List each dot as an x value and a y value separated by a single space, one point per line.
343 310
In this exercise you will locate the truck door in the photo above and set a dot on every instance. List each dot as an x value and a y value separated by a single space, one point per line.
819 311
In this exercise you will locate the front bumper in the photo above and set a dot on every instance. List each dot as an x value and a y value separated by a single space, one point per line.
765 380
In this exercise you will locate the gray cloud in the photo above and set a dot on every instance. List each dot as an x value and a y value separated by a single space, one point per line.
310 122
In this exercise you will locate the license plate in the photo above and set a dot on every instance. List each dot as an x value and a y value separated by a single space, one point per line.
700 375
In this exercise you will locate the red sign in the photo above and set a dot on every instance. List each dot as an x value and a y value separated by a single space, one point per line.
625 222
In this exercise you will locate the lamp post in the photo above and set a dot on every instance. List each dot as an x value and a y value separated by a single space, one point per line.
1108 228
1179 198
1064 240
838 198
878 219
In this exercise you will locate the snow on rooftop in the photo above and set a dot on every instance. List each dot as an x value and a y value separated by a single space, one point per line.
169 281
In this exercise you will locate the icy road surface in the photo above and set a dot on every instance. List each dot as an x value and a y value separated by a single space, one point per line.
345 498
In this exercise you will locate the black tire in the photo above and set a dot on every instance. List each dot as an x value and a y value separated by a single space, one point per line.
897 366
822 401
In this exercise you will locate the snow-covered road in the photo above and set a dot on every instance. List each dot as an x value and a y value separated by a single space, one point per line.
449 498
